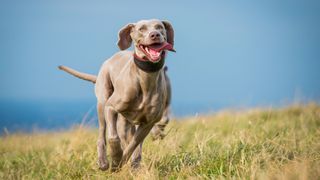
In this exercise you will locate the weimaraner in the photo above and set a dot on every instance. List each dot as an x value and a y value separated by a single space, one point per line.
133 92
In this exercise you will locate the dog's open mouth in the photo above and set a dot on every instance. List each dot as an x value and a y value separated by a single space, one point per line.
154 51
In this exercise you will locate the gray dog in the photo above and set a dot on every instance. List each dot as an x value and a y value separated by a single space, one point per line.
133 91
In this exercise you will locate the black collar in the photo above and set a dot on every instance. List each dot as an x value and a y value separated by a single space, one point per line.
148 66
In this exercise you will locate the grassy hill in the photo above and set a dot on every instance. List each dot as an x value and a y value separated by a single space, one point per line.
253 144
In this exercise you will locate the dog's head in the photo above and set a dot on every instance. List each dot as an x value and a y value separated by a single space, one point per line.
150 38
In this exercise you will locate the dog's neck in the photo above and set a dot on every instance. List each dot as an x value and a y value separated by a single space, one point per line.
148 66
148 81
148 72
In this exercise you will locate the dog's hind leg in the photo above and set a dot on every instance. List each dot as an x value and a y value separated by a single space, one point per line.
157 131
101 144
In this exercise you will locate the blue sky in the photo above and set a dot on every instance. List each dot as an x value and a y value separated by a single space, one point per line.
231 53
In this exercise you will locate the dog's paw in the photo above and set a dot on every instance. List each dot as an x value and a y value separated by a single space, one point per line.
116 154
135 165
157 133
103 164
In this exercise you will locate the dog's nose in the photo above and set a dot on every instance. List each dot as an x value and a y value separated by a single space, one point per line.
154 35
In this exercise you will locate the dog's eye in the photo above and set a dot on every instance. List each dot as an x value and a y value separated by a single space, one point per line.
142 28
158 26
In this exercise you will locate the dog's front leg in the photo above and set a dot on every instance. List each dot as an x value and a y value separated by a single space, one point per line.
113 138
141 132
136 156
126 131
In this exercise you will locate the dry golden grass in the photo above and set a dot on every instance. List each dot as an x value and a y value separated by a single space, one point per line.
255 144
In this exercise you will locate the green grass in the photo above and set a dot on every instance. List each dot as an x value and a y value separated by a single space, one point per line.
253 144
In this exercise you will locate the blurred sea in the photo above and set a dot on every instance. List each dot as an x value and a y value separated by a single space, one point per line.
41 115
49 115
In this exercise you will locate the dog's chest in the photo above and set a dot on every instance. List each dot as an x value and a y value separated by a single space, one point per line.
152 106
137 106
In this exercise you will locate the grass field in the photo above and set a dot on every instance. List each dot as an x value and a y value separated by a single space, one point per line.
252 144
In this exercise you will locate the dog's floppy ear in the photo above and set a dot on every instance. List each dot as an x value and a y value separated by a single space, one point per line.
170 32
125 40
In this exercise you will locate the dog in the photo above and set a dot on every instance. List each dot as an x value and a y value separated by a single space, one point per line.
133 92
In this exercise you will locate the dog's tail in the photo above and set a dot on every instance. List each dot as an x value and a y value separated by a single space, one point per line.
84 76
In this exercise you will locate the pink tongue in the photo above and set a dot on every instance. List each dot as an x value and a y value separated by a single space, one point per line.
160 47
153 52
